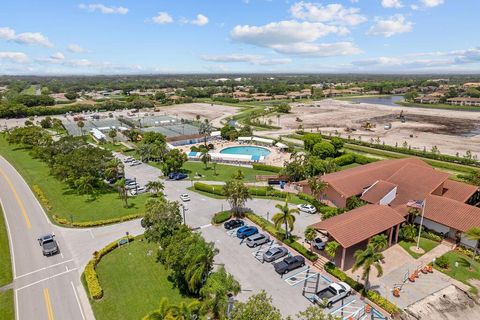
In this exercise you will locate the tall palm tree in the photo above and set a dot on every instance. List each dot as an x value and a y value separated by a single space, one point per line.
366 259
379 242
317 186
114 169
474 234
122 191
199 267
310 235
155 187
285 217
331 248
164 311
218 287
206 129
205 157
186 311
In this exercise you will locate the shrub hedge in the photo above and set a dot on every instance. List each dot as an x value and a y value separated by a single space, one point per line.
209 188
221 217
87 224
91 278
372 296
280 235
266 167
41 197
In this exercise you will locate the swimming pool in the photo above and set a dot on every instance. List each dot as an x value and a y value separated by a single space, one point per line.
247 150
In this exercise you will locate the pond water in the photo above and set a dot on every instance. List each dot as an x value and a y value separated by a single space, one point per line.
385 100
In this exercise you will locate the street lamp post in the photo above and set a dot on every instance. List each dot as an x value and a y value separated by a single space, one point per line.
136 185
183 211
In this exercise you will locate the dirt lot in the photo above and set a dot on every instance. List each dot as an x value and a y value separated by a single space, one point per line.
451 131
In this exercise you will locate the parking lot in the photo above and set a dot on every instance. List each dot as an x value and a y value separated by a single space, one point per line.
290 292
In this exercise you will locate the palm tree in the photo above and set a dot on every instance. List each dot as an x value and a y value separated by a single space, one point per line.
310 235
237 195
122 191
408 232
114 169
239 175
206 129
81 124
366 259
474 234
186 311
331 248
164 312
215 168
85 185
285 217
379 242
199 267
317 186
205 157
112 134
218 287
155 187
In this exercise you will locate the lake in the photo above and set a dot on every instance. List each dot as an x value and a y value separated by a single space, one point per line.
385 100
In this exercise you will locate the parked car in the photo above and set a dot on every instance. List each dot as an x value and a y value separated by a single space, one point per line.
274 253
135 163
49 244
129 159
233 224
138 190
288 264
333 293
257 240
184 197
177 176
318 244
308 208
246 231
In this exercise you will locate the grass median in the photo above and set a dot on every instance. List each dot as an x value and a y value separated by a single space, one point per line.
5 261
62 201
7 308
133 283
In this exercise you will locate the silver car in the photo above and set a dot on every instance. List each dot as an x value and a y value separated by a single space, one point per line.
274 253
257 239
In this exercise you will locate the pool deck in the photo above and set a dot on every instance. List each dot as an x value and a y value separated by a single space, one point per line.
275 158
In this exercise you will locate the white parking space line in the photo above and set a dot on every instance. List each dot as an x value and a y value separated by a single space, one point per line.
78 300
45 279
41 269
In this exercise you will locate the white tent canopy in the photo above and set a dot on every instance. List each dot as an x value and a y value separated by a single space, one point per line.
262 140
281 145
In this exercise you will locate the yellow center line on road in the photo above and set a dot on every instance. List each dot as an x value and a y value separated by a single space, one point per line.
48 304
17 198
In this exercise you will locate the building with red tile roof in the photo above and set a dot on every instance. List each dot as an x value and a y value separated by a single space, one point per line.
387 186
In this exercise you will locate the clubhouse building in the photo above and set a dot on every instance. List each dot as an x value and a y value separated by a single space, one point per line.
390 188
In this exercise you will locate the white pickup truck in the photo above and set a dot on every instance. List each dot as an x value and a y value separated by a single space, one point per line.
333 293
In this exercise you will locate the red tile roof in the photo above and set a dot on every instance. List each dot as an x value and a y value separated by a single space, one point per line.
360 224
354 181
379 190
452 213
458 191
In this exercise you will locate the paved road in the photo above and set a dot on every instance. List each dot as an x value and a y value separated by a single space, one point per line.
48 288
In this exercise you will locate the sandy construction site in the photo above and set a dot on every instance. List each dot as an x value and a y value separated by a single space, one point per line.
215 113
451 131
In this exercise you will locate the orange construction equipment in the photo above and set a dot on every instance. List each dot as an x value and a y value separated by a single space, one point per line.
368 308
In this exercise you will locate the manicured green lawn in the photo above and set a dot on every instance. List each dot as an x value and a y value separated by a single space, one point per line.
425 244
64 202
224 172
462 273
7 309
133 283
30 90
5 261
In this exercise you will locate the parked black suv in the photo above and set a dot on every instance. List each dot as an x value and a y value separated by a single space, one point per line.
233 224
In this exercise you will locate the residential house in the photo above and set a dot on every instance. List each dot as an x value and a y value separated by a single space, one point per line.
464 101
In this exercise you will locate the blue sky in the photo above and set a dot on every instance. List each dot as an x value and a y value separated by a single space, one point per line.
210 36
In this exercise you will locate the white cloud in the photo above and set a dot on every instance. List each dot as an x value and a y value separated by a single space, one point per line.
334 13
75 48
247 58
103 8
18 57
30 38
162 18
431 3
390 26
58 56
295 38
392 4
201 20
319 49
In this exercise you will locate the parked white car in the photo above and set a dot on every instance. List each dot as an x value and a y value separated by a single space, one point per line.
308 208
184 197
